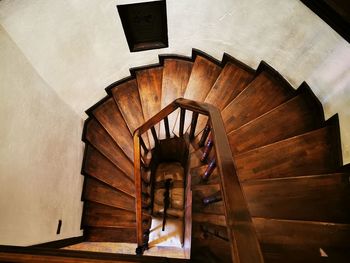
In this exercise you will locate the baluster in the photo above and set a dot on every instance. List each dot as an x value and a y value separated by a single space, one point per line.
182 122
155 137
204 135
146 223
193 124
166 125
210 169
207 149
145 239
143 145
212 198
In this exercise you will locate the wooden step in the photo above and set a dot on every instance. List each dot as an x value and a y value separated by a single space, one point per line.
263 94
97 136
199 192
208 247
315 198
99 167
110 234
232 80
176 73
291 118
126 96
99 215
149 82
202 230
99 192
304 237
203 76
195 158
315 152
113 122
214 219
198 172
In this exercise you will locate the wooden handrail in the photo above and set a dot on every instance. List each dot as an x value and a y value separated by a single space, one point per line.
244 242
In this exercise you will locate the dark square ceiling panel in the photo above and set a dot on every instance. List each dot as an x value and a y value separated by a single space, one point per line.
145 25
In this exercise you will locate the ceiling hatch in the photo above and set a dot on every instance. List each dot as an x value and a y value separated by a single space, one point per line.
145 25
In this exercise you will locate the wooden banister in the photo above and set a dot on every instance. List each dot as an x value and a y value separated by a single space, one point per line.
244 242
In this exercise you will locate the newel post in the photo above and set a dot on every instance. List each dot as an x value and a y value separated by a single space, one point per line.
138 193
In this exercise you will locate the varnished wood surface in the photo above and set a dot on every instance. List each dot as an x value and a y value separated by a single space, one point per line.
101 140
149 82
239 225
316 198
112 120
110 234
98 192
307 154
126 96
99 167
99 215
281 237
263 94
203 76
291 118
209 218
211 249
176 74
198 172
231 81
199 192
27 254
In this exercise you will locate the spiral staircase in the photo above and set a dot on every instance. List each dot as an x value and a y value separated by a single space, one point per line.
287 159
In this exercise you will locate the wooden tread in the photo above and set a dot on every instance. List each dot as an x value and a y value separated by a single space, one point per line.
113 122
99 215
201 191
262 95
110 234
97 136
291 118
214 219
99 192
231 81
314 152
203 76
99 167
304 237
198 172
313 198
176 73
126 96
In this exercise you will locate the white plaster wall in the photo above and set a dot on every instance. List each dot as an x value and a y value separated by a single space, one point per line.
77 47
40 155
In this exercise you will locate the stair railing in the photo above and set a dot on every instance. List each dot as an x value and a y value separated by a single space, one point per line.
241 232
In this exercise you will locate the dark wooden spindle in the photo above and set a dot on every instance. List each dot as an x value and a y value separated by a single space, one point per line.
193 124
204 135
207 149
166 125
210 169
143 145
154 135
212 198
182 122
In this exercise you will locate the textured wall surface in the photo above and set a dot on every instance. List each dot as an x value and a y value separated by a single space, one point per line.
78 47
40 155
